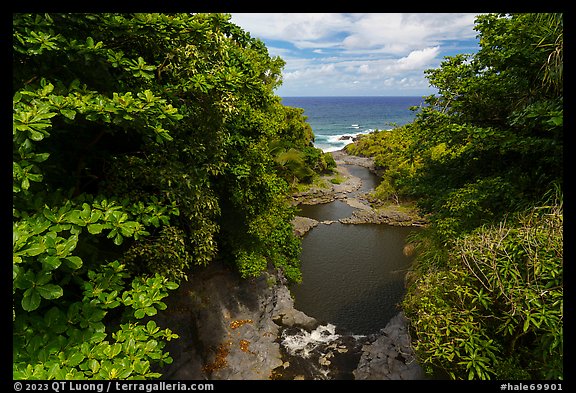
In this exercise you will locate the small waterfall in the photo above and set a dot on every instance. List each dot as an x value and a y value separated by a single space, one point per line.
322 353
303 343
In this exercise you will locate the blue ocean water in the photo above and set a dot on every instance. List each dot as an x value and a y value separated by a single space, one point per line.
334 117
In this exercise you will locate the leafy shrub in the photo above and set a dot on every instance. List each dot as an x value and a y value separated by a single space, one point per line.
70 340
135 138
496 310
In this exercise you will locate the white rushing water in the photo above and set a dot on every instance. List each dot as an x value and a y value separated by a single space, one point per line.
302 344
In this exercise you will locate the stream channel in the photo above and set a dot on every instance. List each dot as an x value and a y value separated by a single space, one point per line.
353 274
341 322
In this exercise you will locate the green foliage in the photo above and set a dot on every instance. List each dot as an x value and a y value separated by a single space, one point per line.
141 139
292 127
488 146
292 166
301 165
385 148
319 161
70 340
500 298
165 253
297 160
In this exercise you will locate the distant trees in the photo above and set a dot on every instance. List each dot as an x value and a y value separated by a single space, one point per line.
141 149
484 159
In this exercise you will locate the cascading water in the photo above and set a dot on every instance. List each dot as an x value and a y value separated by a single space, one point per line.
322 353
304 343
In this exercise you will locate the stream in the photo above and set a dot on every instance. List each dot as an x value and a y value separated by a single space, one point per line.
353 275
341 322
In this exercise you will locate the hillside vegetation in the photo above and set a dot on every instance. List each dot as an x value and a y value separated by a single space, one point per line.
484 161
144 145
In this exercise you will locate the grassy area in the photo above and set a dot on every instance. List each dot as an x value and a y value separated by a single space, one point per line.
337 179
317 182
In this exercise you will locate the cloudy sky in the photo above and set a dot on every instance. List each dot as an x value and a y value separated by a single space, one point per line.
360 54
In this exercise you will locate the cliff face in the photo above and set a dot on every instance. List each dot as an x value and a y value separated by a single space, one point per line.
235 329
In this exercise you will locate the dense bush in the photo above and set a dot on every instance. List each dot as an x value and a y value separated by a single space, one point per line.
384 147
496 310
141 149
485 299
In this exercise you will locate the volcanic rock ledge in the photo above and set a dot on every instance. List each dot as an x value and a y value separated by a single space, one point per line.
390 356
234 329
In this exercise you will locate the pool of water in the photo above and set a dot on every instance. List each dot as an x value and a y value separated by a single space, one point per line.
326 211
353 275
369 180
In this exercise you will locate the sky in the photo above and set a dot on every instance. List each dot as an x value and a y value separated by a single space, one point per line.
368 54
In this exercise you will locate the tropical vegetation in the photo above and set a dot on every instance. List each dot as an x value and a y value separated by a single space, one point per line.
144 146
484 161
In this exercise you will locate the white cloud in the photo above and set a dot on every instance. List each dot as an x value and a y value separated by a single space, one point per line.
385 32
417 59
297 27
326 54
321 72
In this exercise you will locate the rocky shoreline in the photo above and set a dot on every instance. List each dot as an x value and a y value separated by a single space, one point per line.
248 329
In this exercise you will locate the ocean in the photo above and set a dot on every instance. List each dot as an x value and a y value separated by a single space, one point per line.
333 118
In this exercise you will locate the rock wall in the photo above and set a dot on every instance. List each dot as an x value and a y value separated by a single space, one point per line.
228 326
390 355
237 329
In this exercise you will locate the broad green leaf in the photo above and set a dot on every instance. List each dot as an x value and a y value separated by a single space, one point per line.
151 345
31 299
35 249
51 262
68 246
141 367
150 311
93 365
151 327
40 157
50 291
118 239
171 285
124 373
95 216
95 229
54 371
55 320
74 262
75 359
36 177
68 113
74 217
98 337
